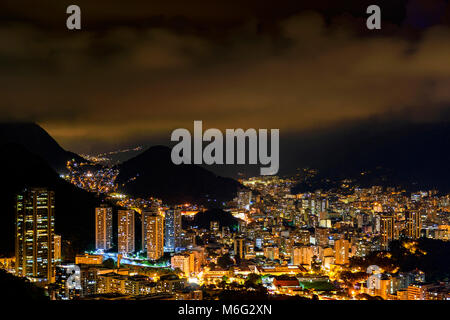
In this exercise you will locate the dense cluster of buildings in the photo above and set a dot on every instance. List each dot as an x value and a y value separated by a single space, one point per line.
296 244
93 178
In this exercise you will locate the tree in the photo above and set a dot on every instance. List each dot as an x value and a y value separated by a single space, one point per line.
253 280
225 261
19 289
350 278
222 284
109 263
211 265
178 271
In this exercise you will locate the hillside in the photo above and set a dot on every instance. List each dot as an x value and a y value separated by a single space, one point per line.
74 213
38 141
152 173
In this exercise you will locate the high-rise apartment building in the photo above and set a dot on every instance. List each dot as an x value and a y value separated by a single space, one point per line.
239 248
172 230
126 231
57 248
185 262
153 210
302 255
413 224
387 230
153 234
321 236
35 224
103 228
272 253
342 250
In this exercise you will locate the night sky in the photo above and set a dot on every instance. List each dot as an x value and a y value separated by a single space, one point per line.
139 69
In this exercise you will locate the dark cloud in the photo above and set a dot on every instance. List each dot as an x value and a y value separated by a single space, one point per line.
137 71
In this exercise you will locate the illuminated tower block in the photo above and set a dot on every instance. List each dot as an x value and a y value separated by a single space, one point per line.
172 230
103 228
302 255
153 234
126 231
154 209
239 248
57 247
387 230
342 250
35 234
413 224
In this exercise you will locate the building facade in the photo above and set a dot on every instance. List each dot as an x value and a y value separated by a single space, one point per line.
57 248
34 234
413 224
387 230
342 251
103 228
153 234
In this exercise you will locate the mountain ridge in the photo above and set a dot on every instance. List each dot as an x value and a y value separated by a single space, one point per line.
152 173
38 141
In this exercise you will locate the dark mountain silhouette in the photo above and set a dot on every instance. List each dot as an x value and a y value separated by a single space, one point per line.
152 173
203 219
37 141
74 208
412 155
15 288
